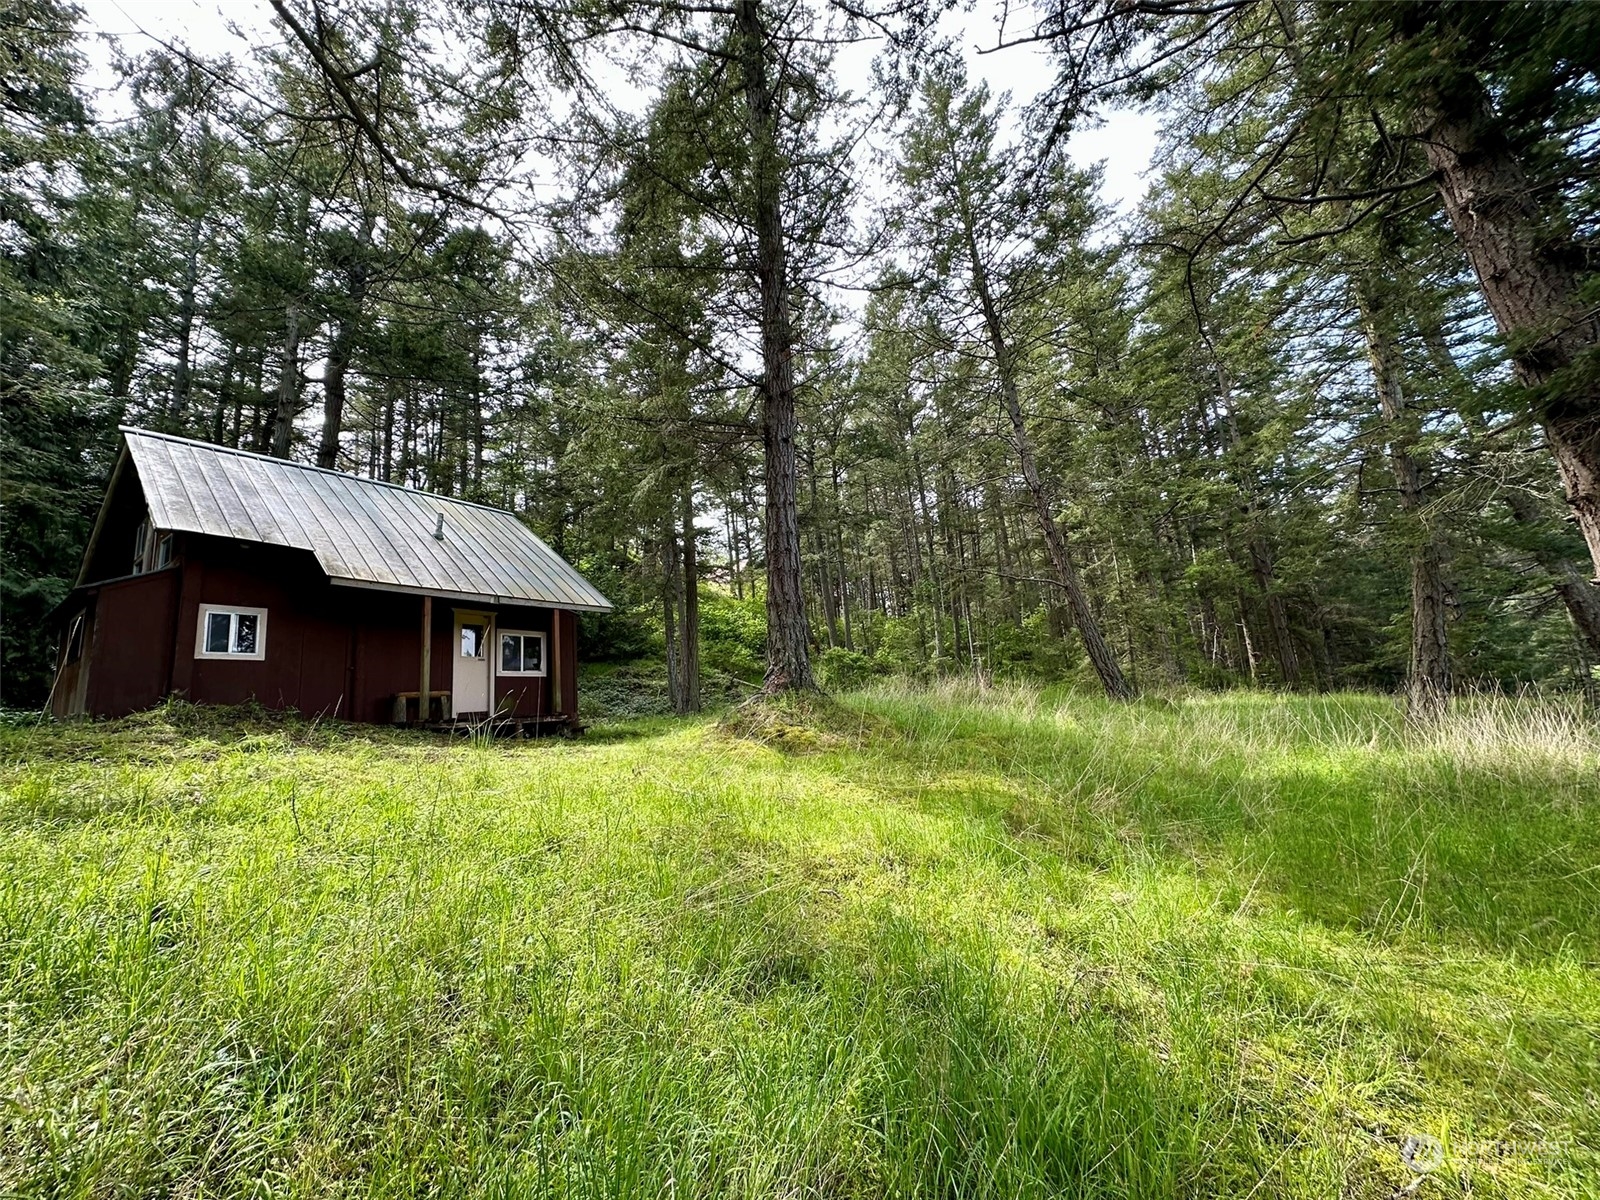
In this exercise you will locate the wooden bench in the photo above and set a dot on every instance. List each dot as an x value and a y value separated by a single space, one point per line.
406 704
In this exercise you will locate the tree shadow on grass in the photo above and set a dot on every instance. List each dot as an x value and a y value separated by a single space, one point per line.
1505 859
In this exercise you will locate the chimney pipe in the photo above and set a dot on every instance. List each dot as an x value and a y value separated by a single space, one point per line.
438 528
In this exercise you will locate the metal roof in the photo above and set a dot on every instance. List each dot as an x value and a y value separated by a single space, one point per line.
364 533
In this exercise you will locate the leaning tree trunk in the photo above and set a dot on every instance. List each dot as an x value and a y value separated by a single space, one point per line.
1066 571
1428 679
1529 277
1580 596
788 652
1101 656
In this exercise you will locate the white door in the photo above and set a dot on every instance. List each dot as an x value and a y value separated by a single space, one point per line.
470 686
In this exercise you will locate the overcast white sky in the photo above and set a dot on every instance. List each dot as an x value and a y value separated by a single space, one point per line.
1125 142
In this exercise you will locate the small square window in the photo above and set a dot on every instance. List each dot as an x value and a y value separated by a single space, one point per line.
227 632
521 653
472 640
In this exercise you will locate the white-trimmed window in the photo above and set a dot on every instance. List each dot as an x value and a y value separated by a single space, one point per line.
521 653
474 638
228 631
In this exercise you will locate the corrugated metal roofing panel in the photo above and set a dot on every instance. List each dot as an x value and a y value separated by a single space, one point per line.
363 532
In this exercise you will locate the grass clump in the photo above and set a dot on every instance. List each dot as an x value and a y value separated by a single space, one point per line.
798 722
988 944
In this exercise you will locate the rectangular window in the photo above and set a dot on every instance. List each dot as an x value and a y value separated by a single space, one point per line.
473 637
163 551
521 653
229 632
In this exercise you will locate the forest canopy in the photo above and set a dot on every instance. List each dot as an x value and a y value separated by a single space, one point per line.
824 371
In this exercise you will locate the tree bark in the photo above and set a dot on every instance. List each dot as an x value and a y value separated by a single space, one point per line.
788 652
1101 656
819 545
1265 574
333 394
689 608
1580 596
1529 276
671 606
1428 677
288 385
341 350
188 309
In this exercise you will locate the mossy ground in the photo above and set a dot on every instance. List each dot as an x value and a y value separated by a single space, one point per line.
929 943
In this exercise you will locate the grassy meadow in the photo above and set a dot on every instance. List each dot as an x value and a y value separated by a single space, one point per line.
923 944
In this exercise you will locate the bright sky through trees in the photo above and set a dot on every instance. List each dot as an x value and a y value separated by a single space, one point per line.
1124 142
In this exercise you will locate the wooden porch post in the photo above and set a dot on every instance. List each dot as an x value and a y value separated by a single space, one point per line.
555 662
427 660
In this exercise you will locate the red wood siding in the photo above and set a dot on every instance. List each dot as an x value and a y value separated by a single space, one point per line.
331 651
127 651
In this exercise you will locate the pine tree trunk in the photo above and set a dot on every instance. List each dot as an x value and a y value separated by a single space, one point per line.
333 394
1428 679
788 651
671 606
1580 596
1066 572
819 544
689 608
1265 574
225 394
187 310
843 574
387 472
1252 660
841 559
1530 281
341 350
288 406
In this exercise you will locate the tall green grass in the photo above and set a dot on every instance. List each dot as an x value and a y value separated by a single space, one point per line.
938 943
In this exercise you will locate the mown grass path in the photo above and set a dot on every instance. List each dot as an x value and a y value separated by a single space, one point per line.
939 945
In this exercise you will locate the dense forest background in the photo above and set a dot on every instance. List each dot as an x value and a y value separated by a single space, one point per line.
1325 412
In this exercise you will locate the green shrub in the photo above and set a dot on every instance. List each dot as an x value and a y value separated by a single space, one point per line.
841 670
733 633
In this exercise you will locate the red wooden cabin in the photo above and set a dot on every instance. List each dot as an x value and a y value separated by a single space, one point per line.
223 576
